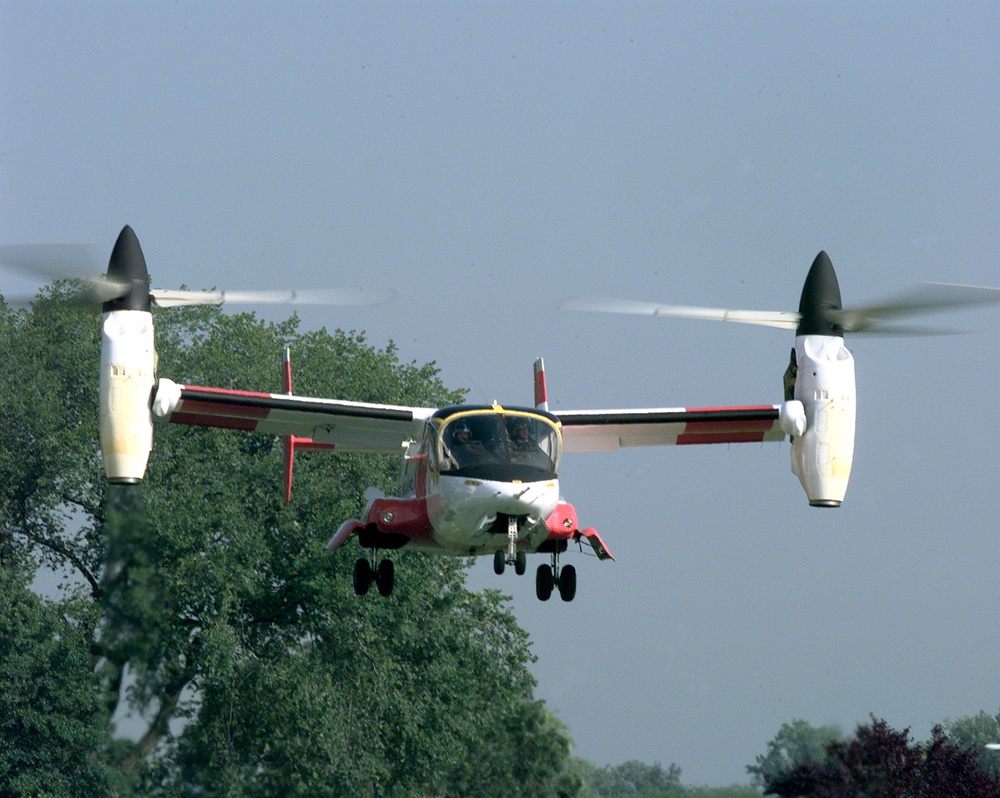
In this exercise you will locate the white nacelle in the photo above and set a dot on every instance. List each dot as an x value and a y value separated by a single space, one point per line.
128 365
822 455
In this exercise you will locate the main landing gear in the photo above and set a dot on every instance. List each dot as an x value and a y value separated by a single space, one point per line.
552 576
366 572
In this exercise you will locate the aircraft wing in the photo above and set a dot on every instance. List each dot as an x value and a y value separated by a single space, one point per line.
608 430
329 423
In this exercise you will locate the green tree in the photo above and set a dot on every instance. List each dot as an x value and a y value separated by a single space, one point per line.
794 744
52 729
215 614
733 791
632 778
974 733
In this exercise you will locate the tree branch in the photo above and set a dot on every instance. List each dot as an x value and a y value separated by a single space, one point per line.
158 727
58 548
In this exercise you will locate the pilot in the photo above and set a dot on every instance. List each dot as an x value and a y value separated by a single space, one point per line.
524 447
462 435
520 433
463 449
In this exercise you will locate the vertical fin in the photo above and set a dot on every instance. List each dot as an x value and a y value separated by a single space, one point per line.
541 393
288 440
287 366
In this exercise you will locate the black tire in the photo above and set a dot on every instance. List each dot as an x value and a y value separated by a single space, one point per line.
385 578
499 562
520 563
567 583
362 576
544 582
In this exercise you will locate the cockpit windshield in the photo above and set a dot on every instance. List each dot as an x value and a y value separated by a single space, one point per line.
498 443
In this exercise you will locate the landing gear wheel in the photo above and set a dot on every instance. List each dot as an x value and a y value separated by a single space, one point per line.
499 562
385 577
567 583
544 582
520 563
363 576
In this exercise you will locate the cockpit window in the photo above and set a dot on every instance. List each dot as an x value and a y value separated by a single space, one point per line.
488 439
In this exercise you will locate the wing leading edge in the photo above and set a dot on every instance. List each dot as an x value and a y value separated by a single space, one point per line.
608 430
340 425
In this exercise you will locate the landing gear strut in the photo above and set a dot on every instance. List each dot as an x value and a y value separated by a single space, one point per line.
365 572
501 559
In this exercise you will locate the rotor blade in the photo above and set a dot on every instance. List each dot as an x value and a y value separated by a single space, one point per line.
87 292
79 263
333 296
781 319
928 298
55 261
86 262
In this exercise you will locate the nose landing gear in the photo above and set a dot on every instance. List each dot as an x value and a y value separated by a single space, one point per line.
501 559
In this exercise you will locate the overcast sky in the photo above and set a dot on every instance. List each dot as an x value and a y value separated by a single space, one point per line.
486 159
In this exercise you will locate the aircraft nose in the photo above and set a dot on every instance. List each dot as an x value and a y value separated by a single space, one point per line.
525 499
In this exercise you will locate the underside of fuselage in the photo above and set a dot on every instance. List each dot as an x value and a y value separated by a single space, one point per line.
469 516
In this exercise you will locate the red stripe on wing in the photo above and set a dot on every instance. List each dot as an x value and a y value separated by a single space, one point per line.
197 408
226 415
225 422
725 431
686 438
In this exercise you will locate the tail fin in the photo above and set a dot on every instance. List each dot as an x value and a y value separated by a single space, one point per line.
541 393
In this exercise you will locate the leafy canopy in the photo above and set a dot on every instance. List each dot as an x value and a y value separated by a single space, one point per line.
210 610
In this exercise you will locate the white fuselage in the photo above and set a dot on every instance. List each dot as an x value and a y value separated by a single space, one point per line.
463 511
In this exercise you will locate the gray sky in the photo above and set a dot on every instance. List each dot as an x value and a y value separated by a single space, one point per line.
487 159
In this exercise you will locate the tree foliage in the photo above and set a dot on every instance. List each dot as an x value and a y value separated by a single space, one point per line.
974 733
880 762
634 779
51 723
795 743
211 611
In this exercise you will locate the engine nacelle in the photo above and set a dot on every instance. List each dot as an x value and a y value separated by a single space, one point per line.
822 454
128 366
